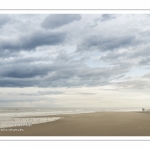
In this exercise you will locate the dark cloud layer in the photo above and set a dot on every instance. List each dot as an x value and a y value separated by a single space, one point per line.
31 41
24 71
56 21
101 43
62 74
3 20
106 17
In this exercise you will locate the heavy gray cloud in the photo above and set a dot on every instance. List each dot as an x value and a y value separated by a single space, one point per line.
24 71
101 43
4 19
58 74
31 41
58 20
106 17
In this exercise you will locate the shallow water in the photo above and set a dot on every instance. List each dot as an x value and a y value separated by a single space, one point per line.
15 122
10 116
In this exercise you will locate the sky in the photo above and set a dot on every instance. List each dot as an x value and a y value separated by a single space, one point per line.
74 60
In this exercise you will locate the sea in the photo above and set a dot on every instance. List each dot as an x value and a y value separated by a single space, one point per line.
27 116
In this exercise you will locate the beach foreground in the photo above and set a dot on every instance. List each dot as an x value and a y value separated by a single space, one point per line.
90 124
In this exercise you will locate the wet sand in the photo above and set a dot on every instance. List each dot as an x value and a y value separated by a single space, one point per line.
90 124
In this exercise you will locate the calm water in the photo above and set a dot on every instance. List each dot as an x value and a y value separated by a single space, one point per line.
11 114
28 111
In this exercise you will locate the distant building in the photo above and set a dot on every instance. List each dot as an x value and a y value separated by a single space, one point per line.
143 109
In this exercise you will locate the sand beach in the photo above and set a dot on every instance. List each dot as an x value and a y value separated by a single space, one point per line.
89 124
